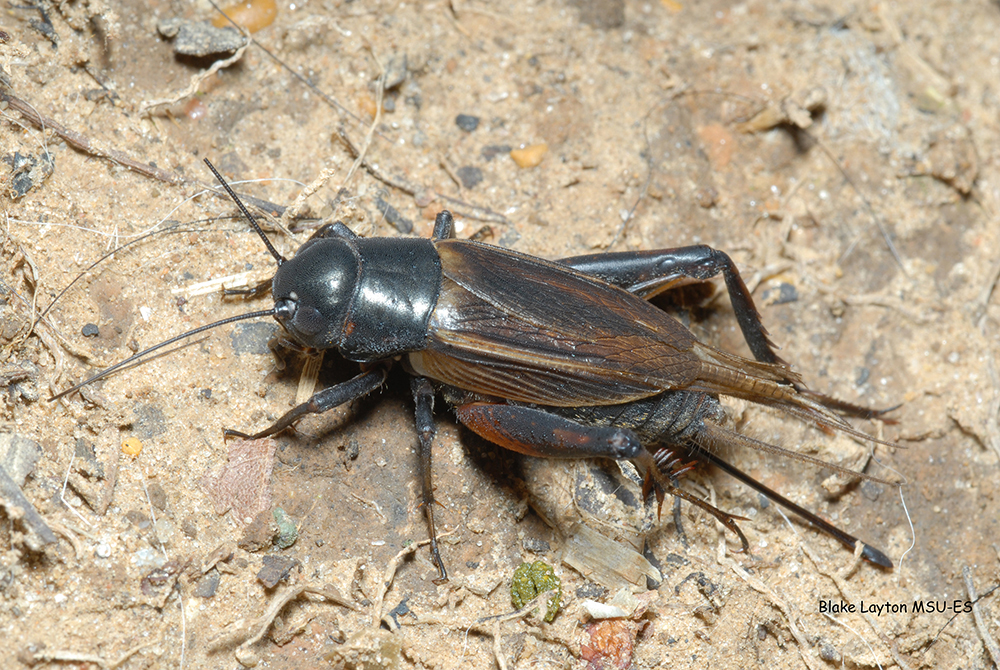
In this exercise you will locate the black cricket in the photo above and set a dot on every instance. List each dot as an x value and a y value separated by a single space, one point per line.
563 359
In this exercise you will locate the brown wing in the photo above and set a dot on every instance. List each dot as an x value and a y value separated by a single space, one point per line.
526 329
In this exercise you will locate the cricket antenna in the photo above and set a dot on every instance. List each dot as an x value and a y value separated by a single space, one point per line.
253 222
132 359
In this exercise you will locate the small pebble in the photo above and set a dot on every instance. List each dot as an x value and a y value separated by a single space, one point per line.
535 546
467 122
90 330
491 151
164 531
288 532
190 529
259 533
201 39
470 176
276 569
829 653
252 15
103 550
132 446
157 496
530 156
208 584
782 294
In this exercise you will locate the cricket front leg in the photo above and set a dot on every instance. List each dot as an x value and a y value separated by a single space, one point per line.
322 401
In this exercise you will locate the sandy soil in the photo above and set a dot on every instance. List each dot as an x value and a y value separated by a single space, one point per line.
843 153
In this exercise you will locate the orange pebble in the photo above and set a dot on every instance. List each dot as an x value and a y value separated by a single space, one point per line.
195 109
250 14
132 446
529 157
367 104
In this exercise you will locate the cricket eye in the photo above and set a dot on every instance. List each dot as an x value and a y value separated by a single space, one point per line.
284 309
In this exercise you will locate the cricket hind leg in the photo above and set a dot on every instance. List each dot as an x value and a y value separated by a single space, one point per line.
662 471
537 432
705 446
649 273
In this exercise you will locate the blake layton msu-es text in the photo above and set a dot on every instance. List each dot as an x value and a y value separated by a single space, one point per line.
878 609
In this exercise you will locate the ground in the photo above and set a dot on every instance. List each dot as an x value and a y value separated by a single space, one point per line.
843 153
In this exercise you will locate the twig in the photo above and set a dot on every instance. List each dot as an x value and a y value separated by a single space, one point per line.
86 145
62 493
110 481
316 184
66 656
983 300
389 575
69 535
498 646
400 183
379 92
197 79
479 625
984 632
16 505
263 623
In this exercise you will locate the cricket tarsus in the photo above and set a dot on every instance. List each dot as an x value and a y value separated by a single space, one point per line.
869 552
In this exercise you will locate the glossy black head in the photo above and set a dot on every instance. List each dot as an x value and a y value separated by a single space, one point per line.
368 298
313 291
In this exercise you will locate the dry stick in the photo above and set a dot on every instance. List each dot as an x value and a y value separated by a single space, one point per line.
390 574
293 210
65 656
379 92
983 300
86 145
490 625
480 625
197 79
263 623
400 183
47 339
977 614
110 481
993 418
70 536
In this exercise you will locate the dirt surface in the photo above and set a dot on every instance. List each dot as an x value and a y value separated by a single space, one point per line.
843 153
